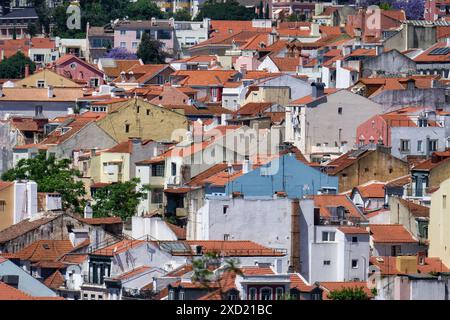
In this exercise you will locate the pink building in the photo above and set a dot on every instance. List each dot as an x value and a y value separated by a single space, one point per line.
373 130
128 34
79 70
437 9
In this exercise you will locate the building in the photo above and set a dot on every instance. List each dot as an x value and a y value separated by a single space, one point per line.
128 34
323 125
16 22
18 201
408 132
72 67
44 79
366 164
140 119
99 41
439 223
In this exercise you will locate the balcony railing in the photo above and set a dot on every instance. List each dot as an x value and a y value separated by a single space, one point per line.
418 192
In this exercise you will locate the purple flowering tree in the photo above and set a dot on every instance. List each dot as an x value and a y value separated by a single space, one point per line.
120 54
414 9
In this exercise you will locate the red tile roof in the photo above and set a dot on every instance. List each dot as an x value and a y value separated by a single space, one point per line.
99 221
372 189
256 271
326 201
299 283
353 230
204 77
235 248
10 293
55 281
178 231
390 233
426 57
45 250
415 209
133 273
388 266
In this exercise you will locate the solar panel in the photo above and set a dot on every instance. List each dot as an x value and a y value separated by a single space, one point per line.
440 51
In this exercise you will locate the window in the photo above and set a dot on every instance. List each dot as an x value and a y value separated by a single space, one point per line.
138 35
127 128
134 45
92 296
94 82
159 79
158 170
148 112
328 236
73 65
225 208
433 145
419 145
444 202
85 296
226 237
157 195
404 145
355 263
354 239
100 297
326 262
181 296
40 84
123 44
123 32
252 294
164 34
38 110
174 168
266 294
2 205
340 110
279 294
316 296
232 296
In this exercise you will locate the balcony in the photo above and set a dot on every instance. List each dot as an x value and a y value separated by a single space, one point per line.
423 194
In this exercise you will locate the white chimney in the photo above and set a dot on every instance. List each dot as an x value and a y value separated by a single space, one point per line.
88 212
246 166
447 41
314 30
50 92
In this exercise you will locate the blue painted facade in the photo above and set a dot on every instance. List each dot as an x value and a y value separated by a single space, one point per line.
289 175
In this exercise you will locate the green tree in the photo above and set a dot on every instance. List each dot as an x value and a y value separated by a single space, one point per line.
182 15
260 10
14 33
14 67
230 10
118 199
51 175
348 294
32 29
267 11
143 10
203 275
150 51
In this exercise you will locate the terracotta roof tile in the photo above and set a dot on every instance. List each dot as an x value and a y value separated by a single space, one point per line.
179 232
21 228
372 189
132 273
55 281
204 77
388 266
10 293
390 233
332 286
353 230
415 209
326 201
45 250
98 221
299 283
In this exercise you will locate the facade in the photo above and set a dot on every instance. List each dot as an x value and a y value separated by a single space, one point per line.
18 201
322 134
138 118
74 68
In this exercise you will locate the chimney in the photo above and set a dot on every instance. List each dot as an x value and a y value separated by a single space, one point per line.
378 50
295 235
317 89
93 152
171 22
153 21
11 280
88 212
1 90
246 166
50 92
314 30
406 264
27 70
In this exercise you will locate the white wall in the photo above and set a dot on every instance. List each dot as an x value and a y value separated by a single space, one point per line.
25 200
155 227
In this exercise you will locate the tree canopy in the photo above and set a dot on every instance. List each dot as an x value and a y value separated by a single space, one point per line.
121 54
13 67
118 199
51 175
150 51
230 10
348 294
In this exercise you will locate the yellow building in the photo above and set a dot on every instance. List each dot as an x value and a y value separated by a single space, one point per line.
439 228
138 118
45 78
280 95
6 204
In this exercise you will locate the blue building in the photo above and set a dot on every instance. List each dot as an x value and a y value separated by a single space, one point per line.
284 174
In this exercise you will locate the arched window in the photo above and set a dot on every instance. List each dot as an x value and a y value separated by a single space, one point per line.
266 294
279 293
252 294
